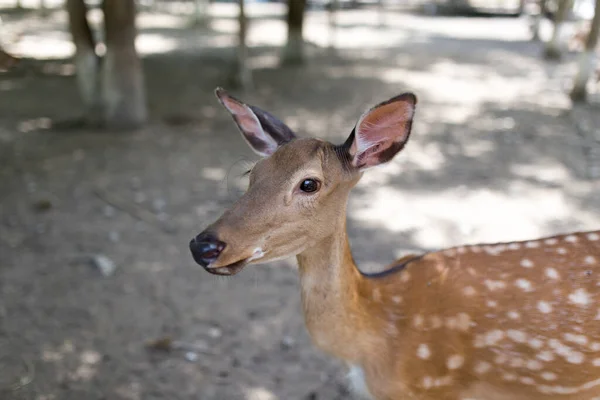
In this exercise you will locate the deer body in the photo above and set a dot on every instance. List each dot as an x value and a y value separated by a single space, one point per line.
510 321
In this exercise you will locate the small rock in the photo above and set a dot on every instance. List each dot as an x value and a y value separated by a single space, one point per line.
42 205
31 187
114 236
105 265
287 343
140 197
191 356
136 183
215 332
109 211
159 204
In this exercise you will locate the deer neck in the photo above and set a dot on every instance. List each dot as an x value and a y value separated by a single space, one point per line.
332 287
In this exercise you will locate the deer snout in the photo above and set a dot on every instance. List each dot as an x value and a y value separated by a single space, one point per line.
206 248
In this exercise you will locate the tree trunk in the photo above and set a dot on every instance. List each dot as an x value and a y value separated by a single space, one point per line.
43 7
123 92
87 63
294 50
381 13
201 12
553 47
7 61
586 59
242 76
333 6
537 21
18 4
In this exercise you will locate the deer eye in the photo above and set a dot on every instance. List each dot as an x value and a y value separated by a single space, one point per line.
310 185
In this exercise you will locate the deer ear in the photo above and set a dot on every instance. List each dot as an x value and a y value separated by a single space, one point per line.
263 132
381 132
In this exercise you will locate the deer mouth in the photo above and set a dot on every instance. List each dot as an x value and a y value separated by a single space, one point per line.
228 270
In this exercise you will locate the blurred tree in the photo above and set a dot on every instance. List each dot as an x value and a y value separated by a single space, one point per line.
201 8
112 87
537 20
553 47
586 64
241 75
333 6
293 52
7 61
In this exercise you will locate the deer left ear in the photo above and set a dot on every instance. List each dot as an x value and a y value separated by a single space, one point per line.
381 132
263 132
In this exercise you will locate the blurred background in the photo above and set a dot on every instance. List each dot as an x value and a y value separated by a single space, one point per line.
114 152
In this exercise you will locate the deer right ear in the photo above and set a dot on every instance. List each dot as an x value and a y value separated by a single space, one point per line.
263 132
381 132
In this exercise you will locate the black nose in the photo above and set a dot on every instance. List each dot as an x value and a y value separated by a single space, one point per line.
206 248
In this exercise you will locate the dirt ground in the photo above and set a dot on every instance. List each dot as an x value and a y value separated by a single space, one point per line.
495 155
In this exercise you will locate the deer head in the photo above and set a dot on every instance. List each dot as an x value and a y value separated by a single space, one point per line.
298 185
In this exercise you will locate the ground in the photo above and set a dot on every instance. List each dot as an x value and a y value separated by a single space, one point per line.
495 155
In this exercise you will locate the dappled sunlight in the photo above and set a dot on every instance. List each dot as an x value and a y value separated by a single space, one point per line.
260 394
150 43
45 46
475 215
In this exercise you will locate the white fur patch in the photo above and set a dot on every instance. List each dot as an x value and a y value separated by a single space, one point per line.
257 254
358 385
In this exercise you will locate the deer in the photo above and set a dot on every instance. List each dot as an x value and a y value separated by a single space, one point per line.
491 321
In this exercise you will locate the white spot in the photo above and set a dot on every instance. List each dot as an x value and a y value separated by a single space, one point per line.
509 377
516 362
575 357
545 356
561 250
501 359
397 299
571 238
257 254
544 307
356 376
526 380
428 382
526 263
493 285
491 303
475 249
535 343
579 339
418 321
461 250
469 291
463 322
481 367
454 362
593 236
517 336
534 365
595 346
596 362
552 273
423 352
532 244
513 315
514 246
580 297
551 241
443 381
524 284
589 260
548 376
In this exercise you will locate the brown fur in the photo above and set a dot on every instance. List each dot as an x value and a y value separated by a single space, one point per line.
510 321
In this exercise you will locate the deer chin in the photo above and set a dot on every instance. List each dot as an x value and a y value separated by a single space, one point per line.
230 269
